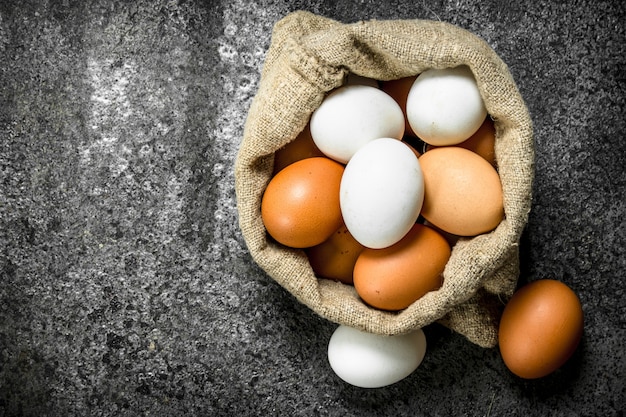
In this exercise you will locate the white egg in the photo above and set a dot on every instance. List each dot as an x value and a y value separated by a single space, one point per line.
351 116
381 192
368 360
444 106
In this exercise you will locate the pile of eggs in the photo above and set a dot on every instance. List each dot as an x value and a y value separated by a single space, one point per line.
376 189
371 208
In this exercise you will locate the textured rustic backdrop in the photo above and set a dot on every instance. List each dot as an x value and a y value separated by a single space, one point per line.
125 286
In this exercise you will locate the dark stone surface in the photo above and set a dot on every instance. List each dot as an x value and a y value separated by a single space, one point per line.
126 288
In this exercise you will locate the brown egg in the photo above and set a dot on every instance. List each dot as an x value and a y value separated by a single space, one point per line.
540 328
394 277
399 90
482 142
335 257
462 191
300 206
301 147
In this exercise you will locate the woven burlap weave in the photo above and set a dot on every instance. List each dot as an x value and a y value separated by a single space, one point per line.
310 55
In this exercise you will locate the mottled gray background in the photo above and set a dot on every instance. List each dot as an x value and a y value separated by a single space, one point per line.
126 288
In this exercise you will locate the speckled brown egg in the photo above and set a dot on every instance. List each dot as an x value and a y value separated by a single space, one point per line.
540 328
335 257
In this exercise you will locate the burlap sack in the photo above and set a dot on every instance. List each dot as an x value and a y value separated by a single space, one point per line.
310 55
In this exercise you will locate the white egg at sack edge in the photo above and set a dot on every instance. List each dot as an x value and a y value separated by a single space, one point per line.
370 360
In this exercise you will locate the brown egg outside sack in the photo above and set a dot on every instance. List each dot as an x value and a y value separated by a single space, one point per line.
399 90
540 328
482 142
301 147
335 257
462 191
394 277
300 206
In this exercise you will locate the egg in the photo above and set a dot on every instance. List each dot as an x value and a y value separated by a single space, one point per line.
462 191
399 90
444 106
353 115
368 360
482 142
395 277
540 328
381 192
301 147
335 257
300 206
